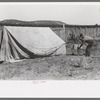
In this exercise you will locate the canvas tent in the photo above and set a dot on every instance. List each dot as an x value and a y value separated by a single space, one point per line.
29 42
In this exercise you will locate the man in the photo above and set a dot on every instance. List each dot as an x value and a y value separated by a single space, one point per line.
86 40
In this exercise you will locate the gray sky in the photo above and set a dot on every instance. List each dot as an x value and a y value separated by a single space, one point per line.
68 13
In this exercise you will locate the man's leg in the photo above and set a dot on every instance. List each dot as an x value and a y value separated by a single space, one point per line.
88 49
72 49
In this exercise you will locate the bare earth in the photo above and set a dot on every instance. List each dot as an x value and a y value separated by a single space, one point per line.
63 67
51 68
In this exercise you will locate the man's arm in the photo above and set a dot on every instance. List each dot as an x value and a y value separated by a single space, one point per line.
83 42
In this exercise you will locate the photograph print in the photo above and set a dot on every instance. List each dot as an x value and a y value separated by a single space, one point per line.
49 41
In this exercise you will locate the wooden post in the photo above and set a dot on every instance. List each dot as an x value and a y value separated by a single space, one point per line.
5 40
64 31
65 38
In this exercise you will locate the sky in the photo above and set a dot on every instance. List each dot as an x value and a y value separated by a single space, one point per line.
70 13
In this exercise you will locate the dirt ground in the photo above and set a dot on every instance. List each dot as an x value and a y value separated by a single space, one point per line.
52 68
63 67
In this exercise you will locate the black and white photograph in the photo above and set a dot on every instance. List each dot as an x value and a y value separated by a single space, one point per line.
49 41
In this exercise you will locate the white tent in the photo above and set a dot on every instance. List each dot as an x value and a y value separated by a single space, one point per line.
18 43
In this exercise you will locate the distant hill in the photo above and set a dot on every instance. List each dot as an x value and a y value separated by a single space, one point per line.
39 23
